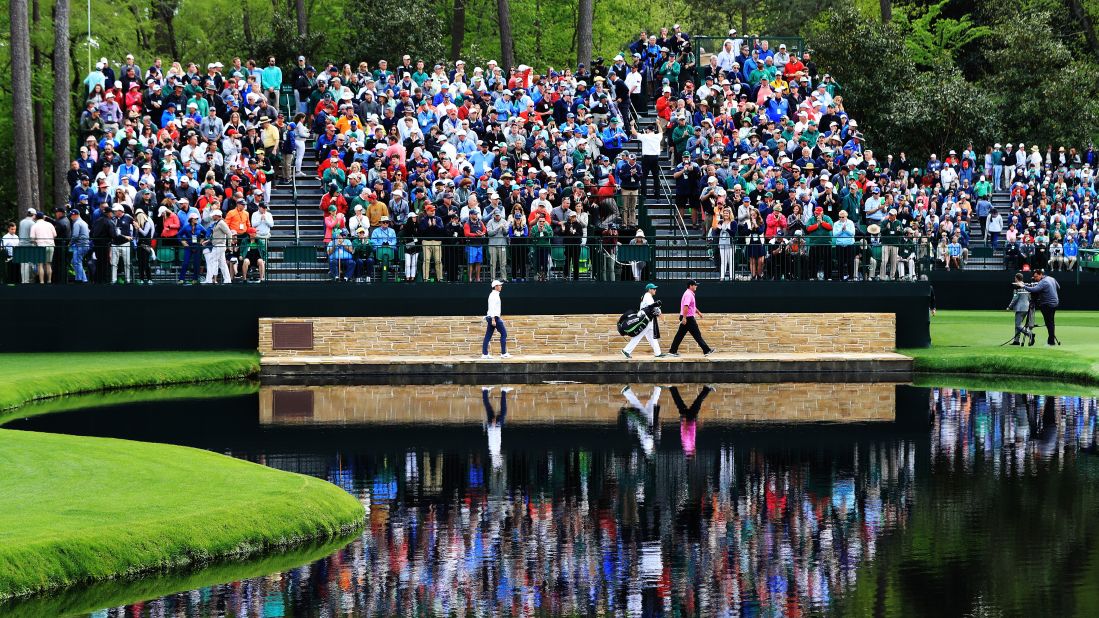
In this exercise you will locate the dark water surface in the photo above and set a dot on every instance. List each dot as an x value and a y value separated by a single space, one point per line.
748 500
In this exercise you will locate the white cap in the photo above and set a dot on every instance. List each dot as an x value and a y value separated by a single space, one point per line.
216 213
496 282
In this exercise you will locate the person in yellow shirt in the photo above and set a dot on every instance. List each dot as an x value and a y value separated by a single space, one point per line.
269 135
343 124
376 210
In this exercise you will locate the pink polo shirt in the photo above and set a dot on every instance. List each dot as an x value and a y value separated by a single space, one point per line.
687 304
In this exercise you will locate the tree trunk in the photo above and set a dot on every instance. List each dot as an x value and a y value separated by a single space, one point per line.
507 45
165 13
744 19
457 29
583 32
303 26
62 120
1081 15
537 28
247 22
886 10
26 180
39 109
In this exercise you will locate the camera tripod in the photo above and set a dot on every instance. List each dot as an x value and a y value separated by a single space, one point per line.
1027 330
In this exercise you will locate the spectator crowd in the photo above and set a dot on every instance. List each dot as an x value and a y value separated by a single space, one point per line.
441 171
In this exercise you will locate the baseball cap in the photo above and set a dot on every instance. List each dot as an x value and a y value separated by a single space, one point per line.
496 282
650 286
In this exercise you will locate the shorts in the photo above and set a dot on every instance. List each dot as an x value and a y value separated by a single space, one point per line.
49 255
476 255
253 255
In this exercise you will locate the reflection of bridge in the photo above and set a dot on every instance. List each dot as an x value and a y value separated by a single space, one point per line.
569 403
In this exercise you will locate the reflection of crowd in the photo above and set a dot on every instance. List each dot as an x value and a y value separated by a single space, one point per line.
725 531
1010 429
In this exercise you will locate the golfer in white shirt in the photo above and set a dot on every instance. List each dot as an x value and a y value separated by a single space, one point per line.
494 322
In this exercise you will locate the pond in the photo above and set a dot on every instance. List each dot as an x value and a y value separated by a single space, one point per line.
727 499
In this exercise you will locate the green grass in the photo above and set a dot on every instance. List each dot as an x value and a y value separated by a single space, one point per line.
84 600
78 509
967 342
122 396
28 377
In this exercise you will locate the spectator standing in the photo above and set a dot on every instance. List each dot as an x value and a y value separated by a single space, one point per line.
44 235
7 254
121 247
519 247
497 230
688 321
79 243
819 231
25 225
843 235
629 177
410 235
271 81
220 238
892 235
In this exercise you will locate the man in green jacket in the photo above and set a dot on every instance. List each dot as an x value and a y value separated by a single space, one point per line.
819 232
892 235
852 201
680 134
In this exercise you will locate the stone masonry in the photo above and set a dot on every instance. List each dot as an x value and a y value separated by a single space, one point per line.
460 336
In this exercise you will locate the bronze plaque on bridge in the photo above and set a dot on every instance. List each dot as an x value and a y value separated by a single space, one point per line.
291 335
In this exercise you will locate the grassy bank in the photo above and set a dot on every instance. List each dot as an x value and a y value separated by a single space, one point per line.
28 377
85 600
80 509
967 342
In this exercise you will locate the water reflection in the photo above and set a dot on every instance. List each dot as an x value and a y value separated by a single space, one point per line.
653 500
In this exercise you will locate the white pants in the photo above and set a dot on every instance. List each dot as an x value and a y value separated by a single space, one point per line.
215 261
647 333
906 267
890 254
726 261
120 253
636 267
299 154
410 262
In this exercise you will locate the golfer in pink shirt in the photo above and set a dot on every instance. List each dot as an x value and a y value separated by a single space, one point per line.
688 321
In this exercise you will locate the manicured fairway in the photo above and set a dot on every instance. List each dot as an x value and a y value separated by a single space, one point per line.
968 342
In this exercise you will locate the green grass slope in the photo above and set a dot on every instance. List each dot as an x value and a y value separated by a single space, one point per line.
967 342
79 509
28 377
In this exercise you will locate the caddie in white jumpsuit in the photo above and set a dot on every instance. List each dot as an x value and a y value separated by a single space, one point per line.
652 330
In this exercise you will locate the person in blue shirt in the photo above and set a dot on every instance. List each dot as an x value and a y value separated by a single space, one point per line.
341 266
193 237
483 160
383 235
614 139
1071 252
271 79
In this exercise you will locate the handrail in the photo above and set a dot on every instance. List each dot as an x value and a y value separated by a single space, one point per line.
294 194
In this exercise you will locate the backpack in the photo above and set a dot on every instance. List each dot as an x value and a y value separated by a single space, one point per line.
630 323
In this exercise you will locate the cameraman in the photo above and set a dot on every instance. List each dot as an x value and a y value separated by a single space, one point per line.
1044 294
